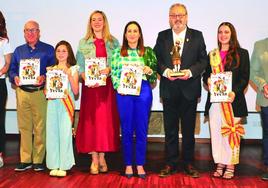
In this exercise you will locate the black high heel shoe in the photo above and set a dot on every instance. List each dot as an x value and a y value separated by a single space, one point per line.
141 172
129 176
128 172
142 176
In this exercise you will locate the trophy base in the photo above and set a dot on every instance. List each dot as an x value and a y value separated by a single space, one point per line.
177 74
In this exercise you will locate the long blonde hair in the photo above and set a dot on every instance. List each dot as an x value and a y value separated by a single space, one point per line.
106 31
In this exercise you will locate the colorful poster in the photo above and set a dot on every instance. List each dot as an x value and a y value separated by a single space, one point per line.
92 71
29 71
130 80
221 86
56 84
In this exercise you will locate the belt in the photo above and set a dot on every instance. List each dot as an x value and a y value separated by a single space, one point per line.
31 89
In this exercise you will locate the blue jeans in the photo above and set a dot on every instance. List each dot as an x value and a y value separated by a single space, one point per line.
134 112
264 117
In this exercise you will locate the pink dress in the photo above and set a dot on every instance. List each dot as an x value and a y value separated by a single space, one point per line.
98 125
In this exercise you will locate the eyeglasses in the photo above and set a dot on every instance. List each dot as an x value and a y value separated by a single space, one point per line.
31 30
174 16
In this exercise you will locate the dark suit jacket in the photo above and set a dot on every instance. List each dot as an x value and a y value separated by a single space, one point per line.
240 76
194 57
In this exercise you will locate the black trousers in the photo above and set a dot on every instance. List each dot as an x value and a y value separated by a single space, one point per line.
3 100
179 108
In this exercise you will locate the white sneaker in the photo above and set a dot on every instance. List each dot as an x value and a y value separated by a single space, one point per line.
1 161
61 173
53 172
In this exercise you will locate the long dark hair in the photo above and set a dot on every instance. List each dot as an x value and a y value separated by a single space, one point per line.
125 45
3 30
232 54
70 59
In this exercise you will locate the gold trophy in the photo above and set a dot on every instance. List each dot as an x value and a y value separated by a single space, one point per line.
176 60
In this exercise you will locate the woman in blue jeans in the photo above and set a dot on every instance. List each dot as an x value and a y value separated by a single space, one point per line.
133 110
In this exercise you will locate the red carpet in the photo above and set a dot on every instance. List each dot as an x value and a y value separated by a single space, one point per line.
247 172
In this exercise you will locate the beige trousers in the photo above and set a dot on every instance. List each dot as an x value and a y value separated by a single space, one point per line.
31 113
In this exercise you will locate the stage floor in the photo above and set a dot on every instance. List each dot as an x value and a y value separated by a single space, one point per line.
247 172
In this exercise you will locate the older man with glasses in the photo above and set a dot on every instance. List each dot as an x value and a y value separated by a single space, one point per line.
31 101
181 89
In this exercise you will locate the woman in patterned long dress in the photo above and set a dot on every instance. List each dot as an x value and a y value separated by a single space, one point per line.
98 125
234 59
134 111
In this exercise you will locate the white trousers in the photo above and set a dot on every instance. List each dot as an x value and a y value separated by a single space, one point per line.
221 149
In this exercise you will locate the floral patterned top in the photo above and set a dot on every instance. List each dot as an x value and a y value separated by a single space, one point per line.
149 59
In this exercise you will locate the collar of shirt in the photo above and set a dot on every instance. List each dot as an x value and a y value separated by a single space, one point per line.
35 46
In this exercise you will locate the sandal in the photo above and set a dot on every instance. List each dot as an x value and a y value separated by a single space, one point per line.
102 164
103 168
94 169
229 173
219 170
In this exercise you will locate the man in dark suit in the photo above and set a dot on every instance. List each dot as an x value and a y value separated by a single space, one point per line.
180 94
